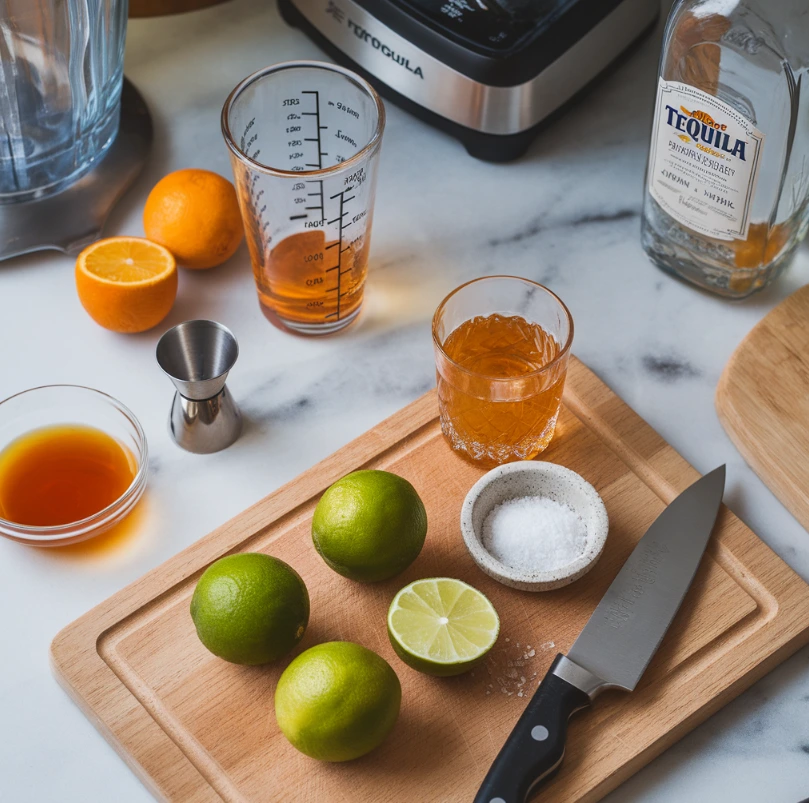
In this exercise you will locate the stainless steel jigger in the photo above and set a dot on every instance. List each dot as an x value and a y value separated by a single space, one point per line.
197 356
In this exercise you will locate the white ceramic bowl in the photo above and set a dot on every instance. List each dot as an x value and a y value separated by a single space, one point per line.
534 478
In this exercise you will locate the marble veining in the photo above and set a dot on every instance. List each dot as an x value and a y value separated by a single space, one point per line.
535 227
669 368
566 215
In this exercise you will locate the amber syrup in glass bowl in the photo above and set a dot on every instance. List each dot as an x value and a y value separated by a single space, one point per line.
61 474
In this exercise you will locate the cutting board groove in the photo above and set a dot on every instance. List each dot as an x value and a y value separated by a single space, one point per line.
195 728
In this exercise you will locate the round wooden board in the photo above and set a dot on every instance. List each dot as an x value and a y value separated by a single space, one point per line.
763 402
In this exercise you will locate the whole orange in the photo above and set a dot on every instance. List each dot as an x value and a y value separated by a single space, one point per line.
195 214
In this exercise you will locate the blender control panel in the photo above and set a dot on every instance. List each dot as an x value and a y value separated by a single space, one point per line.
491 24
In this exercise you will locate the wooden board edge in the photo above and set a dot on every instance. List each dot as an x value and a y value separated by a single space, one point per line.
698 717
117 695
781 630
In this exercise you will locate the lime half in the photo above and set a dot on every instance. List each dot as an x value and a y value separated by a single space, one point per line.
442 626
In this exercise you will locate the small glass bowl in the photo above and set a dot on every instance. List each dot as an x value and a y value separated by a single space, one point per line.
53 405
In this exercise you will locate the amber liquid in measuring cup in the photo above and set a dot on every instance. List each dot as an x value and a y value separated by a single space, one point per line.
62 474
305 280
496 401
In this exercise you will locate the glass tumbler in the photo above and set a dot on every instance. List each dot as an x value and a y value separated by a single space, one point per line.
304 142
61 72
502 346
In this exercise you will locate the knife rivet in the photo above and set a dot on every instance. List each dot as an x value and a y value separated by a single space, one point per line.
497 800
540 733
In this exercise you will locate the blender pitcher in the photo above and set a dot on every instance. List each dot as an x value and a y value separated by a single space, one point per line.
61 72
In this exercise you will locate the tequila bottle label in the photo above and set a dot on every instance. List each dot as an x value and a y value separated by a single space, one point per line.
704 161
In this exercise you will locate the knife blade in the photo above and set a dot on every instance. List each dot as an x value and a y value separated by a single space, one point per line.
615 646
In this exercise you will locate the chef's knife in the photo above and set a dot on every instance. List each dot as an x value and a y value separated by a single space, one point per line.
616 644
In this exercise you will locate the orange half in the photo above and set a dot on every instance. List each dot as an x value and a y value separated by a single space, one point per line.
126 284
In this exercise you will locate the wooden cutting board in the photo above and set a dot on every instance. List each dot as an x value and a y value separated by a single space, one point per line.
763 402
195 728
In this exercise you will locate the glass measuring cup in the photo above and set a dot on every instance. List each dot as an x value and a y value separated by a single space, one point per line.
304 143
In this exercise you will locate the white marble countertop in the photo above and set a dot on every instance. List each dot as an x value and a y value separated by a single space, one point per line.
566 215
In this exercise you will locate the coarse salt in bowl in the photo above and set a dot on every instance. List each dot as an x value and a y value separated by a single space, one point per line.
514 504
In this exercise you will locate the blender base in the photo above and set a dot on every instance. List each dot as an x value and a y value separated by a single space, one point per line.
71 219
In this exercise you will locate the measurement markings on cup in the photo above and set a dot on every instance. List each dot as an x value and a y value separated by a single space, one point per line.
320 154
318 195
340 250
318 128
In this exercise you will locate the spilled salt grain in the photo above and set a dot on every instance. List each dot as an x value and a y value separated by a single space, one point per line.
534 533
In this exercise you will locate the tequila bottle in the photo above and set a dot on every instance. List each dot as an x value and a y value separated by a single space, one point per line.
727 186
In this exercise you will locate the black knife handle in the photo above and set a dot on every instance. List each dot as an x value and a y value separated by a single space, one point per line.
535 748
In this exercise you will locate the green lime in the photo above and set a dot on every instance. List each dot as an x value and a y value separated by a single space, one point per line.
337 701
442 626
370 525
250 608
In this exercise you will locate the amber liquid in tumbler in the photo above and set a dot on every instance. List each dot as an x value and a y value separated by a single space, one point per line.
492 421
308 281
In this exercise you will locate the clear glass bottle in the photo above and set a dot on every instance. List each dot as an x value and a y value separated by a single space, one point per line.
727 187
